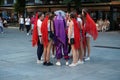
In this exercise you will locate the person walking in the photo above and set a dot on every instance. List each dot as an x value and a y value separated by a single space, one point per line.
21 22
27 24
32 23
1 26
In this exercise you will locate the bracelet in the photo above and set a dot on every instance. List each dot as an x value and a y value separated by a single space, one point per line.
40 35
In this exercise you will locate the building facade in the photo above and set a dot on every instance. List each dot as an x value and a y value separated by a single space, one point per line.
107 9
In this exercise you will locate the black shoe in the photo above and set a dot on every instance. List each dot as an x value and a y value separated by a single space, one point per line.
49 64
44 63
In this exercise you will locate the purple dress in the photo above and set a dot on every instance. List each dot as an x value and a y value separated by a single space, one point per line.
61 37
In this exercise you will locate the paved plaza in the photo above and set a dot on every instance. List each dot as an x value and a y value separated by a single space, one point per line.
18 59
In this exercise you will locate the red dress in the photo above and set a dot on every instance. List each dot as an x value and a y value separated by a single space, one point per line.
76 34
35 32
90 28
44 31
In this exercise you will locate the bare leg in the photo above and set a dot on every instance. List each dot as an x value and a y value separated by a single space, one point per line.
81 51
85 51
74 52
88 46
48 51
45 53
76 55
52 49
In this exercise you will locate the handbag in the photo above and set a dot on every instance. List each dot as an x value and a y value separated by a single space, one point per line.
51 33
72 41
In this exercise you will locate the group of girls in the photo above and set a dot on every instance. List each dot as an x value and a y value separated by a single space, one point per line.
64 35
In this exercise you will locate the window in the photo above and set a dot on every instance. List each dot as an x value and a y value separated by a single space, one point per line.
38 1
31 1
10 1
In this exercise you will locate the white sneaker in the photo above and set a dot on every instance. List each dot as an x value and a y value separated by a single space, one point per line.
39 61
67 63
58 63
53 56
42 58
87 59
27 34
73 64
80 62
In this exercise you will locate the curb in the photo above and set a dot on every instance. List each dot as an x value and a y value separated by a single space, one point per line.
13 27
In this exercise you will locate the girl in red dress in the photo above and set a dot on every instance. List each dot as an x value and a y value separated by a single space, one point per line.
74 38
47 29
89 30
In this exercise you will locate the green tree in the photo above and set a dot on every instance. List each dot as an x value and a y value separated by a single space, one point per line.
19 6
69 2
1 2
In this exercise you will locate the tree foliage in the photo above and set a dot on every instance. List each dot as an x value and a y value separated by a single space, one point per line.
19 6
1 2
69 2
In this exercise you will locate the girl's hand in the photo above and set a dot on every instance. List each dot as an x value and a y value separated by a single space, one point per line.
69 41
41 41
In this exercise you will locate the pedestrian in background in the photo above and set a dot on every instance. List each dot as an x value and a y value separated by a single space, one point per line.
21 22
32 23
5 23
27 24
1 25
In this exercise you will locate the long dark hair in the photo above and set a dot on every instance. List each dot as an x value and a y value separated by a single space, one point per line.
85 11
40 14
51 16
73 15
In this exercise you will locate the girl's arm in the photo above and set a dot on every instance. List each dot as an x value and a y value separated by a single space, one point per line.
70 30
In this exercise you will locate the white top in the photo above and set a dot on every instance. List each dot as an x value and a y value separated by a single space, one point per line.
67 24
27 21
21 21
48 26
72 31
39 23
72 35
1 23
79 20
5 21
100 22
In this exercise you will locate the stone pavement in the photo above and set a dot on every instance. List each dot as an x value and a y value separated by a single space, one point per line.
18 60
